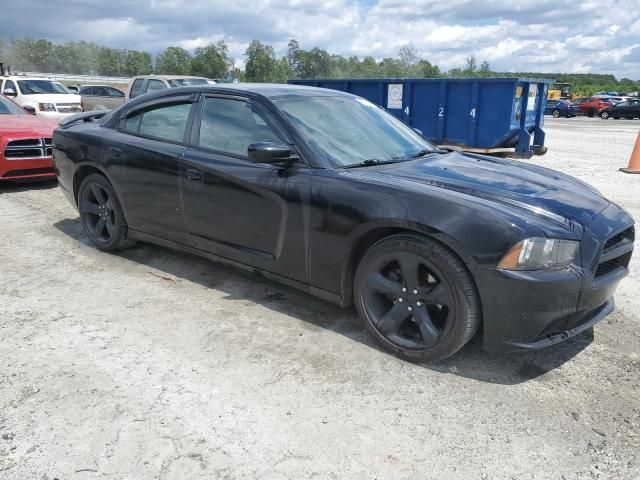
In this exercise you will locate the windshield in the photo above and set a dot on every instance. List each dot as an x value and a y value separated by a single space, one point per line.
35 87
7 107
187 82
351 130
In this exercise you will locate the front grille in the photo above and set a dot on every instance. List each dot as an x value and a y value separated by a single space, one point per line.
28 148
616 253
69 107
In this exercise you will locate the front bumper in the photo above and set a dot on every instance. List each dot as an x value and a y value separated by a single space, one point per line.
26 169
530 310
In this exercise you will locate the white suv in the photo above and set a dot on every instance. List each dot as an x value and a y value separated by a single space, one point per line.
41 96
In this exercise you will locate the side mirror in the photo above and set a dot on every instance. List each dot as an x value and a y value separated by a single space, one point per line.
10 92
270 152
30 109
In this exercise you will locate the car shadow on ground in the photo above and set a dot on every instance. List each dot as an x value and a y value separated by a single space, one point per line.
23 186
470 362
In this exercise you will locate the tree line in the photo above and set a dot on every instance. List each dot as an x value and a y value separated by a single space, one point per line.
261 64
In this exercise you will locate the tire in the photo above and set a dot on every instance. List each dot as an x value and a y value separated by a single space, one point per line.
591 113
101 214
555 113
442 306
616 118
604 115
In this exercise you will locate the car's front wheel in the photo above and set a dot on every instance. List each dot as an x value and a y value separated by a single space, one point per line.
416 297
556 113
101 214
604 115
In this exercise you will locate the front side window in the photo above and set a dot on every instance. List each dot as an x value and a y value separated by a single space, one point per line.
40 87
113 92
350 130
230 126
136 88
167 122
155 85
9 85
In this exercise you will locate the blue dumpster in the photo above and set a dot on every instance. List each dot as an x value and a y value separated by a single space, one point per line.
474 114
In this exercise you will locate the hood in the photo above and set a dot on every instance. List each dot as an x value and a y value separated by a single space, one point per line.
527 186
26 125
52 98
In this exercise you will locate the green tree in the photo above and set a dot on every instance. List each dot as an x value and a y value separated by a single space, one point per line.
212 61
294 57
485 69
261 64
408 55
471 66
426 70
137 63
108 62
174 61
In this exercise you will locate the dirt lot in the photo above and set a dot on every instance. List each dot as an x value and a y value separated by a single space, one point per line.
153 364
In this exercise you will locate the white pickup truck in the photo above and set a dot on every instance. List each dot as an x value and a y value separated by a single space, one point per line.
41 96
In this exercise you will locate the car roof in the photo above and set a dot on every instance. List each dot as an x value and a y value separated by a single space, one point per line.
170 77
277 90
20 77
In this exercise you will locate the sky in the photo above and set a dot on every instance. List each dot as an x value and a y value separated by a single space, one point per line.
579 36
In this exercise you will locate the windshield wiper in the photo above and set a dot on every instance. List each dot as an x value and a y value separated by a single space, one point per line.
422 152
369 163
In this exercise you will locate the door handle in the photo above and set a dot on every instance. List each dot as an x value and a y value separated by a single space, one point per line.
193 175
115 151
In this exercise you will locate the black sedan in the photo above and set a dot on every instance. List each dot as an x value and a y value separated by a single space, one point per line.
329 193
628 109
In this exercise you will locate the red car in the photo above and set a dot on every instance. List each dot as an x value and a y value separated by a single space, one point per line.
25 144
591 106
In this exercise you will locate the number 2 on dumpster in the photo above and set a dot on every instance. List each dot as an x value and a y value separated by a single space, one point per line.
441 112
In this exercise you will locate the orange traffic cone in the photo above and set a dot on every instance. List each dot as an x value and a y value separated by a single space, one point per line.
634 161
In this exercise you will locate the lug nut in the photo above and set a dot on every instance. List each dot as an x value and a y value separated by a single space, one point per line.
409 308
401 299
415 292
418 304
404 289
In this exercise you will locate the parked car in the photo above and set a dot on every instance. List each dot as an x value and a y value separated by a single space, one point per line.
41 96
629 109
100 97
561 108
591 106
150 83
327 192
25 143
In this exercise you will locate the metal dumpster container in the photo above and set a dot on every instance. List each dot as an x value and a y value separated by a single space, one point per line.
473 114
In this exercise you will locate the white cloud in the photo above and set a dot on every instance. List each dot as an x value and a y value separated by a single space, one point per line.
523 35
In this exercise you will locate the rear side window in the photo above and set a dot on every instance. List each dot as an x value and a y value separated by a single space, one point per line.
155 85
114 92
167 123
10 85
136 88
230 126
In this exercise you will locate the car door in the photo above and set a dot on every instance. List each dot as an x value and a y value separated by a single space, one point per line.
634 108
143 157
253 213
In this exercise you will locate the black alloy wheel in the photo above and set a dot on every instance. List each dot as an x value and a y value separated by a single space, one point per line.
101 214
417 298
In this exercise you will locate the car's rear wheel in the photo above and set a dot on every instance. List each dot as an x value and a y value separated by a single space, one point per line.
604 115
591 113
101 214
556 113
416 297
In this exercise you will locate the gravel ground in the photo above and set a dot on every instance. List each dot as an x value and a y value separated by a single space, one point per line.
155 364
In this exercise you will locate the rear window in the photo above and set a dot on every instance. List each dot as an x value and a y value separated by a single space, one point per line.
155 85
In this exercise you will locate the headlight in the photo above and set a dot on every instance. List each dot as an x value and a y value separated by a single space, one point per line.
47 107
540 254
